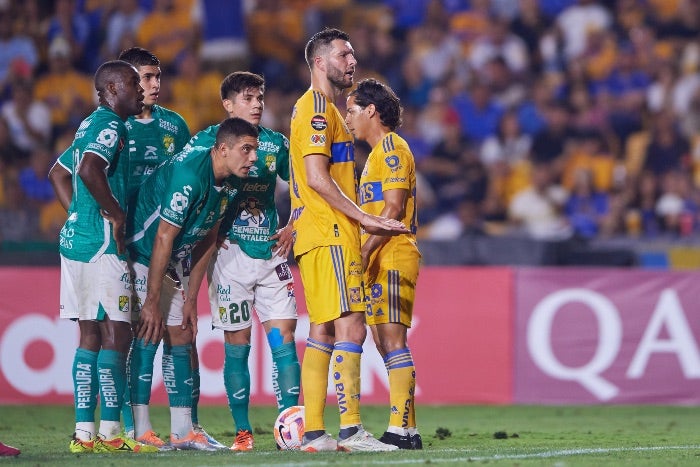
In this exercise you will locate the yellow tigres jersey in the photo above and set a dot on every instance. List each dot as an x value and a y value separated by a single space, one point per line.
318 128
390 166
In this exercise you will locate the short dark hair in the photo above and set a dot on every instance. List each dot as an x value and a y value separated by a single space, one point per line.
370 91
239 81
111 72
138 56
321 40
233 128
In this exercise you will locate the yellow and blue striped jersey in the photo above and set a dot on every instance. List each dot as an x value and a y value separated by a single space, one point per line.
318 128
390 166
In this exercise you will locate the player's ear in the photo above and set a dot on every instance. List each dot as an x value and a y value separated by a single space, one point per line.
228 105
371 110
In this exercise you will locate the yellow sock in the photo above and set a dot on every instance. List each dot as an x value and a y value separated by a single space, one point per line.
314 383
346 377
402 388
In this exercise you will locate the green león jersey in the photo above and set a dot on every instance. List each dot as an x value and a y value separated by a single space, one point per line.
252 217
151 141
182 191
87 235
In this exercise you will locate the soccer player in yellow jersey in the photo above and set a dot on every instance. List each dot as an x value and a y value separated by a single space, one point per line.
326 233
390 264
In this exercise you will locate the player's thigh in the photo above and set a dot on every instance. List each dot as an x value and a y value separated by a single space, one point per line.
332 280
172 294
274 292
232 280
391 294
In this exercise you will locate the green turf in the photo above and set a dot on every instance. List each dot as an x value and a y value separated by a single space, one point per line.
452 435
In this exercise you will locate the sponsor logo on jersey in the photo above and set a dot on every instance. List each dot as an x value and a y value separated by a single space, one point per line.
179 202
355 296
283 272
318 140
167 126
392 161
318 122
268 146
255 187
150 153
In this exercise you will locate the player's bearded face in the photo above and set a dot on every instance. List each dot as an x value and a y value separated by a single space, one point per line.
339 78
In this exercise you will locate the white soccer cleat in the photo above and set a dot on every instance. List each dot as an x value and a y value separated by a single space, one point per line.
364 441
192 442
324 442
197 428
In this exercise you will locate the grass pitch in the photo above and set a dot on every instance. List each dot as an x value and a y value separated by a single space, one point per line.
452 435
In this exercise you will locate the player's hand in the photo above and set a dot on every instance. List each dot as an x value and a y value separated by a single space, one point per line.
379 225
189 317
150 327
285 241
118 222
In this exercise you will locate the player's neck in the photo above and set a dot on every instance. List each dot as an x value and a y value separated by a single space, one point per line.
146 113
376 135
326 87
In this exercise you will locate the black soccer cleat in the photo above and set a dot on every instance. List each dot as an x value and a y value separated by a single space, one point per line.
416 441
400 441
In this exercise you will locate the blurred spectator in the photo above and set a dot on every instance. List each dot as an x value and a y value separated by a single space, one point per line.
196 92
537 211
577 21
67 21
551 145
531 24
586 208
15 49
588 151
478 111
431 120
667 150
507 89
276 35
224 44
34 179
167 31
18 221
677 207
500 43
531 113
77 93
29 119
122 26
10 153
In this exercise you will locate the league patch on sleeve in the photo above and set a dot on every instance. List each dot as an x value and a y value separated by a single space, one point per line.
318 122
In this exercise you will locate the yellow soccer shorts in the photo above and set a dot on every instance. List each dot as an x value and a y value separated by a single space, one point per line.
390 292
332 280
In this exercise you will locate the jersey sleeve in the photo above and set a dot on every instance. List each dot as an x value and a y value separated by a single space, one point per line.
396 169
65 160
182 194
106 139
283 158
314 133
183 134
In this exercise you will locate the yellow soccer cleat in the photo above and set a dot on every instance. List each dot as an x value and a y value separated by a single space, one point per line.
122 443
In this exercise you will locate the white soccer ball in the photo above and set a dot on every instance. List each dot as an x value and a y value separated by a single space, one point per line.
289 428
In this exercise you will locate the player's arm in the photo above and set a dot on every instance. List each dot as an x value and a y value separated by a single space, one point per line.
93 172
150 327
61 180
319 179
394 208
201 254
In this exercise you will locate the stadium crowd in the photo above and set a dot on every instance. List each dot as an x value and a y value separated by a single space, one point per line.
550 118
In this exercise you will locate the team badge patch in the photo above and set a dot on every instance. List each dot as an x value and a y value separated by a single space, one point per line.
124 303
223 316
169 143
318 122
355 296
318 140
376 290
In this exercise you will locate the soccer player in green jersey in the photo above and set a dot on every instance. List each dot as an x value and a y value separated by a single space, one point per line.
155 135
171 233
90 180
250 269
389 264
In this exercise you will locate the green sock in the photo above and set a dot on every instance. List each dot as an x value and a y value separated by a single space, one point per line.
141 370
85 385
195 395
285 375
177 374
111 366
237 383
